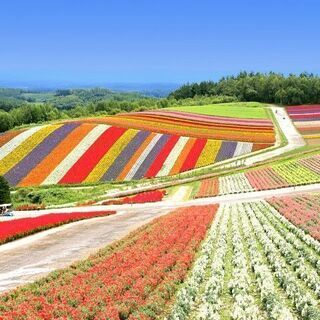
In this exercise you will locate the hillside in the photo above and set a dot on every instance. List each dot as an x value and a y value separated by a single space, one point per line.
130 146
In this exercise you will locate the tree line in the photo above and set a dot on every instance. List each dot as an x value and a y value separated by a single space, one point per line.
33 113
268 88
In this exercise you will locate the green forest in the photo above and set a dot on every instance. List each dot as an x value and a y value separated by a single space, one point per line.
259 87
21 107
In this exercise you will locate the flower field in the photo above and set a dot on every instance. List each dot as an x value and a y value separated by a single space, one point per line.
18 228
288 173
81 152
303 211
143 197
306 118
135 278
196 125
254 264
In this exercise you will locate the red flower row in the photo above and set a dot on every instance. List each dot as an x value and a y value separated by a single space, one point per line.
143 197
302 211
11 230
135 278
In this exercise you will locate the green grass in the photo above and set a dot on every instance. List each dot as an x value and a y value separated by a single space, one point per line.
252 110
56 195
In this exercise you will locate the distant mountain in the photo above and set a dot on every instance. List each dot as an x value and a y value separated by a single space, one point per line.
158 90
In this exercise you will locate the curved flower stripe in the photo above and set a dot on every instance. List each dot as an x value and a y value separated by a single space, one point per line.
11 145
7 136
118 165
226 151
151 157
63 167
82 168
204 117
161 157
135 157
193 155
183 156
208 153
173 156
25 148
231 134
142 157
203 123
107 160
311 163
259 146
21 169
49 163
242 148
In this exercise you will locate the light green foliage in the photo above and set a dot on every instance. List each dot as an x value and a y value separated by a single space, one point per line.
252 110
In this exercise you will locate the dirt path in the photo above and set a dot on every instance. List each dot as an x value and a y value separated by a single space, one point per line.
29 258
26 259
294 138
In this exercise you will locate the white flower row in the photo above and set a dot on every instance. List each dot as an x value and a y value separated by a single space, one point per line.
243 148
295 233
244 306
187 295
269 296
172 157
235 183
302 300
142 157
288 251
65 165
16 141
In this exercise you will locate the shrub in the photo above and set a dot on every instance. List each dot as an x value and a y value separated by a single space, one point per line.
4 191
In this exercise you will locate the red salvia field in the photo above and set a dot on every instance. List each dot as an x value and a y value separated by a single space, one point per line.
135 278
303 211
18 228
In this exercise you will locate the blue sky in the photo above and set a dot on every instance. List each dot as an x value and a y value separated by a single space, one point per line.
155 41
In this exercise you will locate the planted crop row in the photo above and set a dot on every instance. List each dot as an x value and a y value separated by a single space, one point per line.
135 278
307 120
196 125
289 173
80 152
303 211
252 265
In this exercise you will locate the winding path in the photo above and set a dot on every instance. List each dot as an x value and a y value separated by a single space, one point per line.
29 258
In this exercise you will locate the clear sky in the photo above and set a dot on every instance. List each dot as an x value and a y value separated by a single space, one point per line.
155 41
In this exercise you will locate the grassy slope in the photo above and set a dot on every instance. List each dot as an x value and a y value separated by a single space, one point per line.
253 110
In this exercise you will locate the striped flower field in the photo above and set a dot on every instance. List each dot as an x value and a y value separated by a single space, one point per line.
91 151
196 125
307 120
288 173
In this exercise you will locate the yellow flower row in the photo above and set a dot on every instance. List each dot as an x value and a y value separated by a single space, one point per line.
107 160
209 153
25 148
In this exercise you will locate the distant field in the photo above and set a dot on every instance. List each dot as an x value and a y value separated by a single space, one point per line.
251 110
306 118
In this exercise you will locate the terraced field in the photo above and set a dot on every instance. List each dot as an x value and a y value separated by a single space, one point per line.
307 120
254 264
288 173
126 147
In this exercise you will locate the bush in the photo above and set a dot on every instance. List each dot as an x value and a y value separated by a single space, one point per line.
4 191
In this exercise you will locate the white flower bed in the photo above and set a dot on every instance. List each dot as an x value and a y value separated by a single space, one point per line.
269 256
235 183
